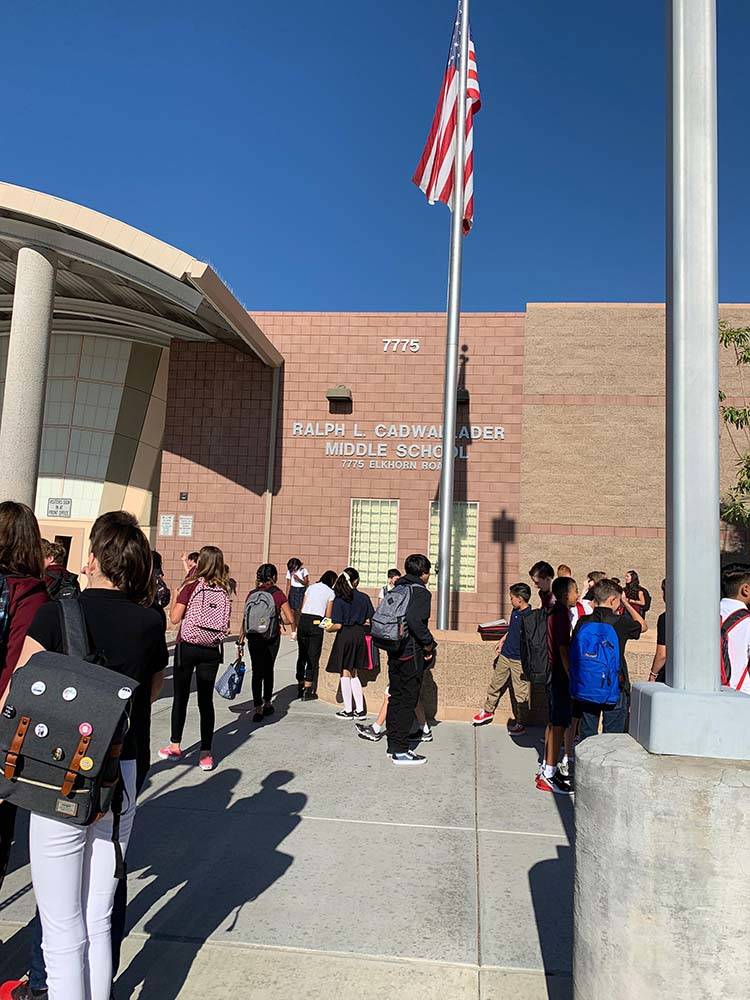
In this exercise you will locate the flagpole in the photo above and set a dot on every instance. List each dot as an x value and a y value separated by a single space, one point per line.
451 345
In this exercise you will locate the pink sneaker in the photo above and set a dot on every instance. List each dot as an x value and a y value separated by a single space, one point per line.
169 753
206 763
482 718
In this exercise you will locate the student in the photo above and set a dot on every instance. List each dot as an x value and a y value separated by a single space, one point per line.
735 626
659 665
608 597
564 570
21 564
57 579
542 575
393 577
263 651
317 605
408 662
591 581
635 593
508 671
189 562
73 867
296 584
565 595
196 658
350 612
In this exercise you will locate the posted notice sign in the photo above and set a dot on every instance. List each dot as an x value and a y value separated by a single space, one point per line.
59 507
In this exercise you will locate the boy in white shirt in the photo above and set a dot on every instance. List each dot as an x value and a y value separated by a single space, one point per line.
735 626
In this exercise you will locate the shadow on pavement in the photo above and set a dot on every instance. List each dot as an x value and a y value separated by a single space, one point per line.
219 854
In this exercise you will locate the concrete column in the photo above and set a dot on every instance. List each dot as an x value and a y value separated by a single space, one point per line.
662 904
26 375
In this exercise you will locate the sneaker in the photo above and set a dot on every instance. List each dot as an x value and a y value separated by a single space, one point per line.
563 768
258 717
516 728
482 718
420 736
343 714
309 695
408 758
361 716
268 710
368 733
19 989
206 763
556 784
166 753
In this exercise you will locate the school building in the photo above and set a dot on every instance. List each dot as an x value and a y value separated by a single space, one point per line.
136 379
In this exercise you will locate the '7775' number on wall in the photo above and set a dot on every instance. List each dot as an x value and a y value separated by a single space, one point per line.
404 345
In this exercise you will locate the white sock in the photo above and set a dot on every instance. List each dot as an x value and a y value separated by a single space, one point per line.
377 728
359 698
346 692
426 727
565 759
549 770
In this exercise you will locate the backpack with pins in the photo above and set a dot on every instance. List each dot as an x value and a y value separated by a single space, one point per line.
62 730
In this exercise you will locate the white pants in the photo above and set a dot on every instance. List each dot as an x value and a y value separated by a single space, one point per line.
73 871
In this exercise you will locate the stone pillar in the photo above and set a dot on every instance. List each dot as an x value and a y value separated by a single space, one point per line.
662 883
26 375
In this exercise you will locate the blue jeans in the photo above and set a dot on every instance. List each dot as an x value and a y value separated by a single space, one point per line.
614 717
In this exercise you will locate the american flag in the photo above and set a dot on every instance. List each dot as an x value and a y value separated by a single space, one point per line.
434 175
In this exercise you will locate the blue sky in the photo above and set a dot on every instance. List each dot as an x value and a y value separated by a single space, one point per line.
278 140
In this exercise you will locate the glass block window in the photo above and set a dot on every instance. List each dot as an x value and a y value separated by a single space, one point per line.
463 543
374 540
88 457
54 454
64 355
97 405
58 404
104 359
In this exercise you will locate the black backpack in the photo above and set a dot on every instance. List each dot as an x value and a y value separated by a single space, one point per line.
534 648
62 585
646 600
62 730
162 593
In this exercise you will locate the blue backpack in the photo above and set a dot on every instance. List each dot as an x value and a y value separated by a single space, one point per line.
595 663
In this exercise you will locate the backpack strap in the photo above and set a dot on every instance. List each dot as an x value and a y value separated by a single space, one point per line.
75 635
729 623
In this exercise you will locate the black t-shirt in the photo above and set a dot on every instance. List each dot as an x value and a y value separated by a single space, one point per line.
661 629
131 640
625 627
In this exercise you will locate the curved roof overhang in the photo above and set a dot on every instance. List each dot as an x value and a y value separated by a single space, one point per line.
114 280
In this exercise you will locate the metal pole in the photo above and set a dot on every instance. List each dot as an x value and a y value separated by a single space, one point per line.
451 345
693 575
271 466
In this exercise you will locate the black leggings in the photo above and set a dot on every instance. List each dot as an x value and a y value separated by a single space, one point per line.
204 660
263 658
309 647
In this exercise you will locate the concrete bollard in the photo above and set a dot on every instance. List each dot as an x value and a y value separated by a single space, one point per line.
662 881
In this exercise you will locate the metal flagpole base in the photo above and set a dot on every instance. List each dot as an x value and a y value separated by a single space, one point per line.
667 720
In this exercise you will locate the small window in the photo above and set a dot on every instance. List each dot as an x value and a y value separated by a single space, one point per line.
463 543
374 540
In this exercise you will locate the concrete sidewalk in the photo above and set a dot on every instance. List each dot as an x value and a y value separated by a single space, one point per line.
307 865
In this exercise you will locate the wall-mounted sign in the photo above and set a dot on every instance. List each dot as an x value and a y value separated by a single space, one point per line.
185 526
166 525
408 447
59 507
183 496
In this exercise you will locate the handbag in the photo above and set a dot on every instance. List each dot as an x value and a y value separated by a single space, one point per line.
229 685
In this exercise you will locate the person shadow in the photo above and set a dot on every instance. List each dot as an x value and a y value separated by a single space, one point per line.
202 868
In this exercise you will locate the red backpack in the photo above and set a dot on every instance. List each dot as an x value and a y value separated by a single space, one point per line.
726 664
206 621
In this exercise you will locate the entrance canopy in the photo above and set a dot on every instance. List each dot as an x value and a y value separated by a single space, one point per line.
114 280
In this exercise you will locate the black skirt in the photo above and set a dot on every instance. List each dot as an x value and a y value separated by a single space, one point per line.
296 597
349 650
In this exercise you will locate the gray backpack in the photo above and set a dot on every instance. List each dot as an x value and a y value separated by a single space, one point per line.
261 617
389 627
